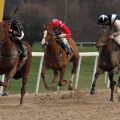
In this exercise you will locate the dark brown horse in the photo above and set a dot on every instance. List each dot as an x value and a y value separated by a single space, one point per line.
109 60
56 59
10 64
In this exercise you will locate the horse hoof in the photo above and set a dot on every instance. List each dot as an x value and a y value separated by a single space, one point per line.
119 98
62 83
70 87
111 100
47 88
92 92
4 94
53 88
59 84
117 90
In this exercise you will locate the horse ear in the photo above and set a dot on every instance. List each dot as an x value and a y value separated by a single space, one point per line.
44 26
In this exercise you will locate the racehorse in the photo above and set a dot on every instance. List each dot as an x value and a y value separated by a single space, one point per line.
109 60
10 63
55 58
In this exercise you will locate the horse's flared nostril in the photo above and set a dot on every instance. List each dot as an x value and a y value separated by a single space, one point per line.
96 45
44 45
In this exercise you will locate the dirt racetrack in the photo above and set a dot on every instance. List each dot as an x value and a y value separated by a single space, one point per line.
77 105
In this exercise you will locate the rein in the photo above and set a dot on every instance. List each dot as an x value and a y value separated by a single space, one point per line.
107 43
54 56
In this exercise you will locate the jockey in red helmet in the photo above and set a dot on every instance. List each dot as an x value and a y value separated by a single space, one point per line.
63 33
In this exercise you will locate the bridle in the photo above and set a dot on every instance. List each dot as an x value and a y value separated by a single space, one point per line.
107 43
104 38
50 43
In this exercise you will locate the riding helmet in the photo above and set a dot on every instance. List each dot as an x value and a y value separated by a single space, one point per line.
56 22
103 19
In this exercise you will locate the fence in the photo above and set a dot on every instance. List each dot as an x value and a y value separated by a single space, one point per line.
82 54
86 43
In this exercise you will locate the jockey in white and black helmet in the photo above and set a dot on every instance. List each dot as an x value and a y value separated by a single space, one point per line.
113 22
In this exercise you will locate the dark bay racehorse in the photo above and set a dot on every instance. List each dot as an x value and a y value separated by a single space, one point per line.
56 59
109 60
10 64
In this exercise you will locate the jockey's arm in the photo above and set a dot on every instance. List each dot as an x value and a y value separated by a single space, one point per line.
17 33
66 32
116 32
16 29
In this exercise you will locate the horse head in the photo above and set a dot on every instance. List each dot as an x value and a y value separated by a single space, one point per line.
4 32
103 39
48 36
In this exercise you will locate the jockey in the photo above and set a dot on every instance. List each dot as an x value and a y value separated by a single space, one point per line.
16 32
64 33
113 22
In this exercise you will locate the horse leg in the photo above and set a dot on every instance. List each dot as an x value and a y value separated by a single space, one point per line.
25 73
73 71
117 90
97 74
2 84
54 79
61 80
8 78
112 84
44 71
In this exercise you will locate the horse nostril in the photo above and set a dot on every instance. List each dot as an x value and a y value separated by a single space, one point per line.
44 45
96 44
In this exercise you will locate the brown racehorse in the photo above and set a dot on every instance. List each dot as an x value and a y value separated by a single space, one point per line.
10 64
109 60
56 59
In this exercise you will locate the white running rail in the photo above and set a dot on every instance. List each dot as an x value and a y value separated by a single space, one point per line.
82 54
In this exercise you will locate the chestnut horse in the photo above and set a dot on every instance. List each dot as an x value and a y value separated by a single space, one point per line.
10 64
109 60
56 59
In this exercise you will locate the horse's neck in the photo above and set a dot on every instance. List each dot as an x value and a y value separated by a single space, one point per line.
109 48
54 48
8 48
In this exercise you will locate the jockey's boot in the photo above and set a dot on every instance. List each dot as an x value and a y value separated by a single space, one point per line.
22 55
65 47
68 50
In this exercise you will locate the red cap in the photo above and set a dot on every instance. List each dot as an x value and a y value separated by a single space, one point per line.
56 22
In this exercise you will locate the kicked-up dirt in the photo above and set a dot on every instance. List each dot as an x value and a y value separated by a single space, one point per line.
75 105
